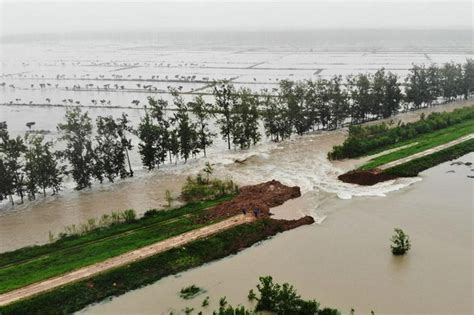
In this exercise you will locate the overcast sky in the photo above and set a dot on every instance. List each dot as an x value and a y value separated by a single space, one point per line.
21 17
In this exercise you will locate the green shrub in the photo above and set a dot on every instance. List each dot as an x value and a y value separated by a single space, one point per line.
400 243
190 292
202 187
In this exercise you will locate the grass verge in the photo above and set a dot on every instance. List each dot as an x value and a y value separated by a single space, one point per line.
75 296
423 142
412 168
32 264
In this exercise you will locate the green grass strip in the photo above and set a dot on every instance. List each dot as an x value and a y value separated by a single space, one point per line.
75 296
414 167
29 265
423 142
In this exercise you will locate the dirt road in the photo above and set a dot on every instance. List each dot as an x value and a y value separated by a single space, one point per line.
426 152
123 259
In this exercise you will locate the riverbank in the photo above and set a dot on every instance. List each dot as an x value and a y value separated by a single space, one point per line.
77 295
412 165
346 262
300 161
108 248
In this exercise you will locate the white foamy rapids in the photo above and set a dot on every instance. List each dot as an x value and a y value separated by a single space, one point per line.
297 164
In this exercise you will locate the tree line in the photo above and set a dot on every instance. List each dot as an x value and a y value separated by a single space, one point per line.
29 165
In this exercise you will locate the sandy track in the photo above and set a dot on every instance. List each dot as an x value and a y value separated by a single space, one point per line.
123 259
426 152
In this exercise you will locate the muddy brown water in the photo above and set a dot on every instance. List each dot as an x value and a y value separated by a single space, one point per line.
346 262
300 161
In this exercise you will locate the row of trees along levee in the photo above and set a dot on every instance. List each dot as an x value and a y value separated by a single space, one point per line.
29 165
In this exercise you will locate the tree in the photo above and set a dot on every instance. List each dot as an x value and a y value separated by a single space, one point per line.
186 130
416 86
338 102
225 99
203 113
42 167
153 133
392 96
109 153
245 119
451 80
360 91
292 97
433 83
400 243
11 151
124 127
77 133
276 120
468 78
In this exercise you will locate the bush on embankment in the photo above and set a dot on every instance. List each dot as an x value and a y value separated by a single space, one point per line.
75 296
414 167
365 140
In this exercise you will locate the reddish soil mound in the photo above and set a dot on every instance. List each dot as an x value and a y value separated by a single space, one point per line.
262 196
365 178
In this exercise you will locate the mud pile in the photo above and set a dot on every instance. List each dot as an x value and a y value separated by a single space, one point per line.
365 178
262 197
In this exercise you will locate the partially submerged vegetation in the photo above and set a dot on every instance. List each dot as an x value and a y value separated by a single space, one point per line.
435 130
190 292
400 243
203 186
279 299
292 108
367 140
75 296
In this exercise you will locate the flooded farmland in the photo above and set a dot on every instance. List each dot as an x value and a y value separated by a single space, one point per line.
343 262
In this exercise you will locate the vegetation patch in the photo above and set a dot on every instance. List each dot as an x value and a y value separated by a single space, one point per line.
368 140
424 142
190 292
31 264
75 296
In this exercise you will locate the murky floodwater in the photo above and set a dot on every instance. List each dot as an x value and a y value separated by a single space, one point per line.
300 161
346 261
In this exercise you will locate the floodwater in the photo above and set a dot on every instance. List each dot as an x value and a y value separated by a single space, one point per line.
346 261
300 161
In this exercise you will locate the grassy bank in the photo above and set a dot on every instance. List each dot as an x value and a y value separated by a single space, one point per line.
421 143
414 167
28 265
373 139
76 296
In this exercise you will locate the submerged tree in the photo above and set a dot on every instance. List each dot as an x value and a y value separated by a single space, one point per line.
185 128
224 94
42 167
11 151
400 243
109 153
77 133
154 134
125 127
203 112
245 119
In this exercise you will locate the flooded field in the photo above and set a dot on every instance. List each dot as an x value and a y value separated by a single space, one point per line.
346 261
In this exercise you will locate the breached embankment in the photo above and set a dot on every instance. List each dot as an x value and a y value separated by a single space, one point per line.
365 178
252 197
